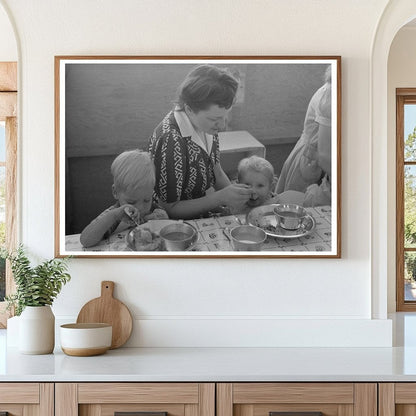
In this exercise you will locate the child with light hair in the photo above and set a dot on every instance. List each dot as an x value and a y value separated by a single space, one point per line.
258 174
134 181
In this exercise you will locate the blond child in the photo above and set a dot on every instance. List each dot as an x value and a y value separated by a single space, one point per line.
258 174
134 180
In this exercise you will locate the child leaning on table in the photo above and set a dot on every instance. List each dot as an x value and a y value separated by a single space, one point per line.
134 180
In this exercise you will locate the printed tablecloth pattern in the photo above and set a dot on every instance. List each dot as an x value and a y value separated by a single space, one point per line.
211 236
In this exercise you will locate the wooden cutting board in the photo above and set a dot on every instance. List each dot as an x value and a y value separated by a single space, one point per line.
109 310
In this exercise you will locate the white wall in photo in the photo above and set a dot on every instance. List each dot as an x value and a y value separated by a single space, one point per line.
212 302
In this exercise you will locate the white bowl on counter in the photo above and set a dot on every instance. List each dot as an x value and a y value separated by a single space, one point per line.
86 339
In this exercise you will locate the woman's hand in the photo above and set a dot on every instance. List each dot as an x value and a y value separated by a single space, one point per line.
235 195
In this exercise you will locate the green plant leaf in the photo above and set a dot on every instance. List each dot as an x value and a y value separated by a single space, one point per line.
35 286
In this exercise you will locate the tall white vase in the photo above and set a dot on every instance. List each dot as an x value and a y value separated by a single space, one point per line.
37 330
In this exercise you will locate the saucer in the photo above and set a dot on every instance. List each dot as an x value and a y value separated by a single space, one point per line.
265 218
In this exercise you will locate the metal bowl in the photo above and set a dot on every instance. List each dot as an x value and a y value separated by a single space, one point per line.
178 237
290 216
247 238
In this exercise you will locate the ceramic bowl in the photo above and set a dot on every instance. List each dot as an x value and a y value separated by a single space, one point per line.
289 216
85 339
247 238
178 236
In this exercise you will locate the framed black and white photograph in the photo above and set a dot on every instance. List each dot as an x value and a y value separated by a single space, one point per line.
198 156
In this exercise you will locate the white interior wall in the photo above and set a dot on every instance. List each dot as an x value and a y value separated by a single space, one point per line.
8 45
212 301
401 74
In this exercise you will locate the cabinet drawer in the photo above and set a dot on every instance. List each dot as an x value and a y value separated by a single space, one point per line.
268 399
397 399
107 399
21 399
19 393
138 393
293 392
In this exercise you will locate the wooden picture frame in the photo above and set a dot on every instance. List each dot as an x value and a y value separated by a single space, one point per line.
106 105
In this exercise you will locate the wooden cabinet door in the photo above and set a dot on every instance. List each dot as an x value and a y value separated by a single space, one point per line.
26 399
143 399
297 399
397 399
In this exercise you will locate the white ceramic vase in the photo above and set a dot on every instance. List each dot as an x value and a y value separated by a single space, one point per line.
37 330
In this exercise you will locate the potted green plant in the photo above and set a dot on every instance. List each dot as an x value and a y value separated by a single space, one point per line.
36 289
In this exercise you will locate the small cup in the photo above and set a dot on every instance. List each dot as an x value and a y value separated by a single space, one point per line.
178 236
247 238
290 216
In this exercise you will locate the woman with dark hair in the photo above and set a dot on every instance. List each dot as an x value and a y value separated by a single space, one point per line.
185 147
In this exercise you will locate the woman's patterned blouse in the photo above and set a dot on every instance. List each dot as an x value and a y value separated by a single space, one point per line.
183 169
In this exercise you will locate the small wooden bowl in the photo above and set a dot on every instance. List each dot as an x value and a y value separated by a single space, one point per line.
84 340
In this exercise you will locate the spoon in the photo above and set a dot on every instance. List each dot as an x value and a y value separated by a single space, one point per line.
130 215
238 220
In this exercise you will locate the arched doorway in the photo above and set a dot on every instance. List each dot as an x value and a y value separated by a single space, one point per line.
395 16
401 124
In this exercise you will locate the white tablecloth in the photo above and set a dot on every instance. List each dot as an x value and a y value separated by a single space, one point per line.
211 236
